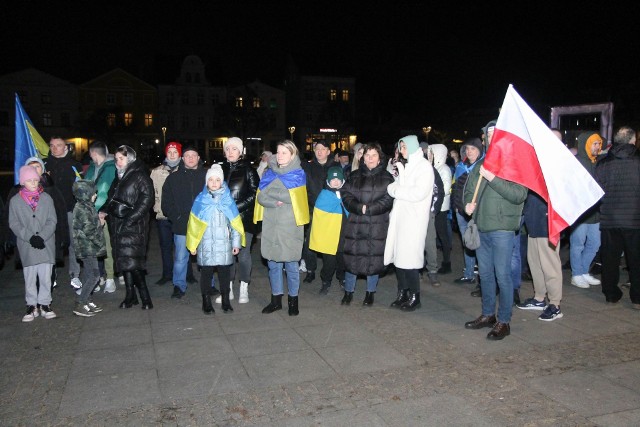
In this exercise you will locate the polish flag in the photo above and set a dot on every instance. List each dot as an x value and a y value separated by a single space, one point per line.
524 150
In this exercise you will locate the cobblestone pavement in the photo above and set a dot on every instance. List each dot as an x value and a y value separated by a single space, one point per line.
331 365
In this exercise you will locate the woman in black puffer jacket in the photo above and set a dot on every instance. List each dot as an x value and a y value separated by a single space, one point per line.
131 198
243 180
365 196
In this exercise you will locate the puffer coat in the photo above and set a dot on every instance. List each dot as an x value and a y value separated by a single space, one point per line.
88 236
219 237
243 181
129 235
365 235
281 238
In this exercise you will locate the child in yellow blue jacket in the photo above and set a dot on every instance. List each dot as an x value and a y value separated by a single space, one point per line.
327 228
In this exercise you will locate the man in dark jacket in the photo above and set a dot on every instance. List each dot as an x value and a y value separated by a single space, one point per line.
60 166
316 171
178 193
619 176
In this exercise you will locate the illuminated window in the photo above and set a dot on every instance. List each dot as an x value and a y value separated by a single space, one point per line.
333 95
127 99
111 119
345 95
256 102
148 119
45 98
47 120
128 119
111 98
239 102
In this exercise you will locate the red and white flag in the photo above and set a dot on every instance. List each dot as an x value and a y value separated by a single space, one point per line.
524 150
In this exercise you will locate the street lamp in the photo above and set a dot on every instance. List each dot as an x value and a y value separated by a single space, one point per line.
292 129
164 135
426 131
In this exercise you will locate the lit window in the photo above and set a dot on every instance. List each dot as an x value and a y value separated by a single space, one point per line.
333 95
239 102
148 119
111 98
47 120
256 102
45 98
111 120
345 95
127 99
128 119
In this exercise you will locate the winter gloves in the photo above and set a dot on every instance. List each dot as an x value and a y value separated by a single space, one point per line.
37 242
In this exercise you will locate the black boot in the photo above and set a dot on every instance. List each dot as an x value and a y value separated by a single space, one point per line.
226 305
412 303
293 306
207 307
368 299
325 288
274 305
141 283
130 298
403 296
445 268
346 299
310 277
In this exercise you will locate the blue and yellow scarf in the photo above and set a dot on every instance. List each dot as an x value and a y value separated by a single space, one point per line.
296 182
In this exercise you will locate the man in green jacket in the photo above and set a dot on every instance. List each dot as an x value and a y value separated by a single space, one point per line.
497 211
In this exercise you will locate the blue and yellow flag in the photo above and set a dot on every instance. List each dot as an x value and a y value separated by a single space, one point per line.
296 182
327 223
201 211
29 143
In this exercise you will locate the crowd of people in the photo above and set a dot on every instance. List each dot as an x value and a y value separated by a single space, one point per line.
360 212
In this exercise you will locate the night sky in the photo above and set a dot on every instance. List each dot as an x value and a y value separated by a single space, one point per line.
414 59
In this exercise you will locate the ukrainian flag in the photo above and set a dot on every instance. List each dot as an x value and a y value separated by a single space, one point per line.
29 143
296 182
327 223
201 211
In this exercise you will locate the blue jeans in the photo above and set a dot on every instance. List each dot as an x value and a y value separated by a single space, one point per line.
469 255
350 282
180 262
584 242
275 277
494 265
165 237
516 262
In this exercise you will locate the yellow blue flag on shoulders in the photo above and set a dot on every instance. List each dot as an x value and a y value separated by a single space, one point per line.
327 223
29 143
296 182
203 206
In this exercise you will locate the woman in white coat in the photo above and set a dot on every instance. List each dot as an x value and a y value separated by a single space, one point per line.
408 222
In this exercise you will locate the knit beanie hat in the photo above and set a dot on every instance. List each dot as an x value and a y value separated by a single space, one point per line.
215 170
36 159
335 172
235 142
173 144
474 142
27 173
411 141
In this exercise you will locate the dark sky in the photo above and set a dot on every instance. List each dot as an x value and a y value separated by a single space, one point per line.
418 58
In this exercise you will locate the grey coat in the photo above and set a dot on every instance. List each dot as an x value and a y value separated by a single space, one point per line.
281 238
24 223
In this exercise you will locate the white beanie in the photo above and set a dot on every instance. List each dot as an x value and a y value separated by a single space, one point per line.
236 142
215 170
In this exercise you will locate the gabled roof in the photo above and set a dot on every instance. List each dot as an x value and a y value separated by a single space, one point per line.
117 76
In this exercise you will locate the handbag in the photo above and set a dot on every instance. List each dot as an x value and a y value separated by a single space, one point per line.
471 236
118 208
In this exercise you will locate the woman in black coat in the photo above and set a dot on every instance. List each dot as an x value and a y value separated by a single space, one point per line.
365 197
127 209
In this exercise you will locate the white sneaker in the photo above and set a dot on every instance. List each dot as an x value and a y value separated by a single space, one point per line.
94 307
46 312
83 310
303 266
78 291
590 279
244 293
219 297
32 313
76 283
579 281
121 280
110 286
